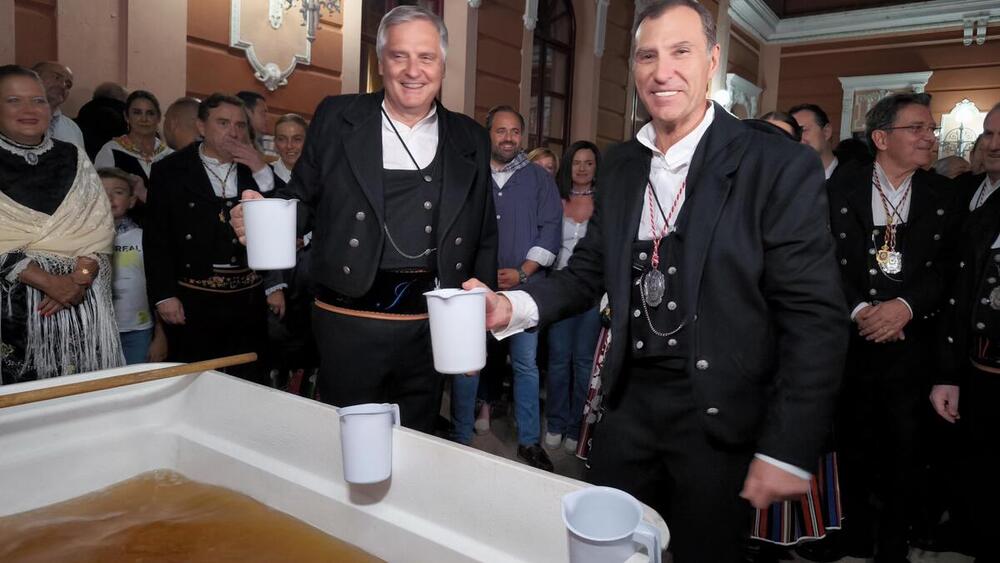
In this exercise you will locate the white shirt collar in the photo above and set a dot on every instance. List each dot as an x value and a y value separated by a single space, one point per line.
209 160
887 184
681 152
828 171
427 120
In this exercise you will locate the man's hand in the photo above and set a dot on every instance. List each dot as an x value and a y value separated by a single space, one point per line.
245 154
157 348
884 322
236 215
171 311
498 307
945 401
507 278
767 483
276 303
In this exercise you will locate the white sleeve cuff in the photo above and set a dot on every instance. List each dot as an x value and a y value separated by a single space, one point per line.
542 256
524 314
858 309
786 467
265 179
278 287
907 306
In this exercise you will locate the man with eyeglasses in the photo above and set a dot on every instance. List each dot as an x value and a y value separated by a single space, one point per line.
894 225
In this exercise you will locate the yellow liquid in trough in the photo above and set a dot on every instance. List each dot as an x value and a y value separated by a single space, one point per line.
161 517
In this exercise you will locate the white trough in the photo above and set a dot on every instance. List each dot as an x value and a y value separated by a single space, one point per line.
443 503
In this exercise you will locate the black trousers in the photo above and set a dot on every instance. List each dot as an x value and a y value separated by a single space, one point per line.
221 324
979 405
653 445
882 404
378 361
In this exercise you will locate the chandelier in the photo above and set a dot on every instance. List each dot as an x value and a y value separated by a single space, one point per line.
310 10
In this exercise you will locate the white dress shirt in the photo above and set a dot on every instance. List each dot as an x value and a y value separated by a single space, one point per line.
421 139
65 129
282 171
899 197
984 193
667 173
828 171
264 177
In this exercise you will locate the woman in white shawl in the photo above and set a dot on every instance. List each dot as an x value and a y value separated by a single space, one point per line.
56 234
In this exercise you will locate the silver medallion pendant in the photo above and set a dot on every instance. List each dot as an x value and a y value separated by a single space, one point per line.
31 158
893 262
995 299
654 285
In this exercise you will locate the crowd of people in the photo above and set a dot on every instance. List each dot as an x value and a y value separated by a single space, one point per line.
754 315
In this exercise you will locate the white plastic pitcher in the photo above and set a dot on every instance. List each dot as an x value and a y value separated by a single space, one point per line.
458 329
605 524
270 229
366 441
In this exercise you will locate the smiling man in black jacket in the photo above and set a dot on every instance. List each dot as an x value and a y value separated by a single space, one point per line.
727 321
399 189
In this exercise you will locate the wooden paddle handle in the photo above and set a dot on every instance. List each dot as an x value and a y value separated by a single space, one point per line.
25 397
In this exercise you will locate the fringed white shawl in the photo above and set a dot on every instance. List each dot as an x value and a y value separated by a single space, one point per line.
85 337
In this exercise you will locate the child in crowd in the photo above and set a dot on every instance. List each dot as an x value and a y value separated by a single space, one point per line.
142 336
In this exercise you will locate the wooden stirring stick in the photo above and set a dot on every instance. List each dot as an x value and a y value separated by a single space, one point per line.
25 397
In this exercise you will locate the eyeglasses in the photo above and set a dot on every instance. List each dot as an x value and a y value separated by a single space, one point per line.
918 129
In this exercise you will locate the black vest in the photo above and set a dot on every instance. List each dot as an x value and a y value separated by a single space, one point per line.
411 216
986 314
661 331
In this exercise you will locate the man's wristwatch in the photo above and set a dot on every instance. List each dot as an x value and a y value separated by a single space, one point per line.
521 276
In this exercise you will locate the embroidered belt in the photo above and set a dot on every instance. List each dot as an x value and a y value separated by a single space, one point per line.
393 293
224 281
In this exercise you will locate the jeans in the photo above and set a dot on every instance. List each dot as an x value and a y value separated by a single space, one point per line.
572 343
523 352
135 345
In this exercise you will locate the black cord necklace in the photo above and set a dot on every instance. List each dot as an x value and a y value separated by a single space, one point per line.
427 177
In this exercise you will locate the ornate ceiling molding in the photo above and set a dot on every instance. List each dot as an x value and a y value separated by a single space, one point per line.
758 19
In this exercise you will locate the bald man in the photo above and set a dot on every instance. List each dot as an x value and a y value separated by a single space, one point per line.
179 123
58 81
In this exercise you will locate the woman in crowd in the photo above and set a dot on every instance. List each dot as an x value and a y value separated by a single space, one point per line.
572 340
545 158
289 137
289 323
136 151
56 233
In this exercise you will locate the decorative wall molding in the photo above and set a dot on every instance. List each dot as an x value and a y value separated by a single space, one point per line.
866 90
758 19
475 3
600 26
274 74
739 91
530 14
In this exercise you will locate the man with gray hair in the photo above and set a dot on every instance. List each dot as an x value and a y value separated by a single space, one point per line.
728 331
895 227
396 190
58 81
